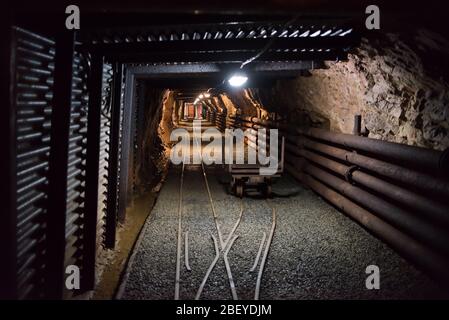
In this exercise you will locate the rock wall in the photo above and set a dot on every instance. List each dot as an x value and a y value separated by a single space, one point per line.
245 102
155 145
398 83
224 100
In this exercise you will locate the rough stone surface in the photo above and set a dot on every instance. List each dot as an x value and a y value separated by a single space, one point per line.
401 96
154 143
247 102
398 83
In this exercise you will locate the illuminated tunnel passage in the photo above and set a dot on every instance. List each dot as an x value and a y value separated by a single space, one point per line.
341 193
316 253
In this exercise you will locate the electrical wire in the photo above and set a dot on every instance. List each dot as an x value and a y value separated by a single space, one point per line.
269 43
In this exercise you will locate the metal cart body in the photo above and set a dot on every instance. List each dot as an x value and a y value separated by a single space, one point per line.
248 176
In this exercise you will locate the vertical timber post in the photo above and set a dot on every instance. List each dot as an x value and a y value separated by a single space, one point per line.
58 165
130 84
114 149
92 171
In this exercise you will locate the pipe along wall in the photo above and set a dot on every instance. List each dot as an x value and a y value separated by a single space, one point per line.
398 192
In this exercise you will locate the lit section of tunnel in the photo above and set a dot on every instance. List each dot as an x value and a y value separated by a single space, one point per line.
365 178
362 175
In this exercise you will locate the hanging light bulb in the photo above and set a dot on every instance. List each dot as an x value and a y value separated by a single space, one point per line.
237 80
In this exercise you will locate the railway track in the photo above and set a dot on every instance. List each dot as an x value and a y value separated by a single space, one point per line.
222 247
295 266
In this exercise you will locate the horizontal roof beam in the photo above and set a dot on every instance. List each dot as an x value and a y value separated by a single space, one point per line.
225 57
214 46
192 70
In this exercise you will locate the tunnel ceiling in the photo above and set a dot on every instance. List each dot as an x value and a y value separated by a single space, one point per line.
227 42
170 54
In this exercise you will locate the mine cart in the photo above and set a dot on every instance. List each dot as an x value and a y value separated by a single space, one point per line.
247 176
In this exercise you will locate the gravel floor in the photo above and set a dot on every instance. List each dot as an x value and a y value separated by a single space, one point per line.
317 252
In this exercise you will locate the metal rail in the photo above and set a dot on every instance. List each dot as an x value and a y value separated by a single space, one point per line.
178 252
209 270
224 245
228 268
186 251
259 252
221 247
236 224
220 238
267 249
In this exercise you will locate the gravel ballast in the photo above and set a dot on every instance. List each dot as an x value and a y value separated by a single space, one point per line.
316 253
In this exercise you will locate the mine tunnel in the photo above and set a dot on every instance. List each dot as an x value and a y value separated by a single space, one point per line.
108 127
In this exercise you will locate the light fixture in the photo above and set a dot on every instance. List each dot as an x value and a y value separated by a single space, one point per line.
201 96
207 95
237 80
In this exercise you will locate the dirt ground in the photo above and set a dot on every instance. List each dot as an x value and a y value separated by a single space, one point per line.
112 263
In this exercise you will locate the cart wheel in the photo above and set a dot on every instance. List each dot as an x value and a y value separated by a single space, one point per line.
267 190
239 190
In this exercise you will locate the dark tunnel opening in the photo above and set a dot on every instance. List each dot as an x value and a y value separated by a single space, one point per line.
137 146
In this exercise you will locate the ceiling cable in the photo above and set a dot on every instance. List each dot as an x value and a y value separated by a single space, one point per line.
269 43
